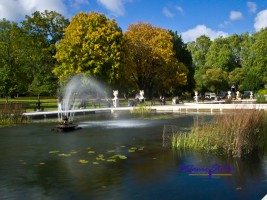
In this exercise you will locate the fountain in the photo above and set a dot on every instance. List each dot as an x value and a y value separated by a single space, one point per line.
78 89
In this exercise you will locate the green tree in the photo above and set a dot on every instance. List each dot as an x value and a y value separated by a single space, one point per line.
259 59
45 29
93 45
215 80
151 64
13 59
184 56
219 55
199 50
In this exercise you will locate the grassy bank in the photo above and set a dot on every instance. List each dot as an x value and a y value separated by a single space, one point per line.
238 134
12 114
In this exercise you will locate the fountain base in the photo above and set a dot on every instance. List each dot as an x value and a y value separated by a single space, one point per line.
66 126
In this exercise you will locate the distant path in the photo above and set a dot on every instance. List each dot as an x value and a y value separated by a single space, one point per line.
186 107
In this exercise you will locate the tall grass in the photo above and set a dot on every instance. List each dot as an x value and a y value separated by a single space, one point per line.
239 134
12 113
142 108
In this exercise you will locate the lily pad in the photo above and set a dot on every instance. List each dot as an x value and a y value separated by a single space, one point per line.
91 152
100 157
54 151
64 154
122 157
111 160
83 161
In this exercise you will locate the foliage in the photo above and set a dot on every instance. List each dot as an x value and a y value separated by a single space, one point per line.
141 108
92 44
259 52
215 80
151 61
199 50
45 30
12 114
262 91
13 59
261 99
185 57
239 134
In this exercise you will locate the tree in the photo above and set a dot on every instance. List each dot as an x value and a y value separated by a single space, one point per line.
93 45
219 55
45 30
216 80
151 62
259 61
13 59
199 50
184 56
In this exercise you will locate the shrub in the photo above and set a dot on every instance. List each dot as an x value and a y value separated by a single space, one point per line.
260 99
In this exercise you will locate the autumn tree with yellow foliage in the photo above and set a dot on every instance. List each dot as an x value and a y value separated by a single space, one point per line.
92 44
151 63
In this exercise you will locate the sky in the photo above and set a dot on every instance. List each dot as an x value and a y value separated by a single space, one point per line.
190 18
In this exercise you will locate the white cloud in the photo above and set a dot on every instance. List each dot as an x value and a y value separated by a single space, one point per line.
115 6
224 24
193 34
180 9
252 7
235 15
15 10
167 13
260 20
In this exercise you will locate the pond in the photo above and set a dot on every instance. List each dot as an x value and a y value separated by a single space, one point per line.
120 156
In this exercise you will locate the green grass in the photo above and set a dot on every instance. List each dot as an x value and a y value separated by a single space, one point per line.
238 134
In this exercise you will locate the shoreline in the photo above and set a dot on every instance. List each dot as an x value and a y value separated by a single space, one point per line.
179 108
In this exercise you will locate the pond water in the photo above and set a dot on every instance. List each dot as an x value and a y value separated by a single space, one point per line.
119 156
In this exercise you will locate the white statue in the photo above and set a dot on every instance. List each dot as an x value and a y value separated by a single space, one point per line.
142 98
196 96
229 95
115 99
251 95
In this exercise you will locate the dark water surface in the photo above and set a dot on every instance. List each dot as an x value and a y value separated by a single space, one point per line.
36 163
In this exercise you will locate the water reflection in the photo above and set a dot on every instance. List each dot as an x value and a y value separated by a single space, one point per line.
39 164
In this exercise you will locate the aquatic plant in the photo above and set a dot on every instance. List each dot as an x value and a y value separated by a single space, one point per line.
12 114
142 108
239 134
54 151
65 154
83 161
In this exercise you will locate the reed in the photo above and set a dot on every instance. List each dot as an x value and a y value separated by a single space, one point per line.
12 113
142 108
239 134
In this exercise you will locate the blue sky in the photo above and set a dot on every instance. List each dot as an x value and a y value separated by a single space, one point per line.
190 18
